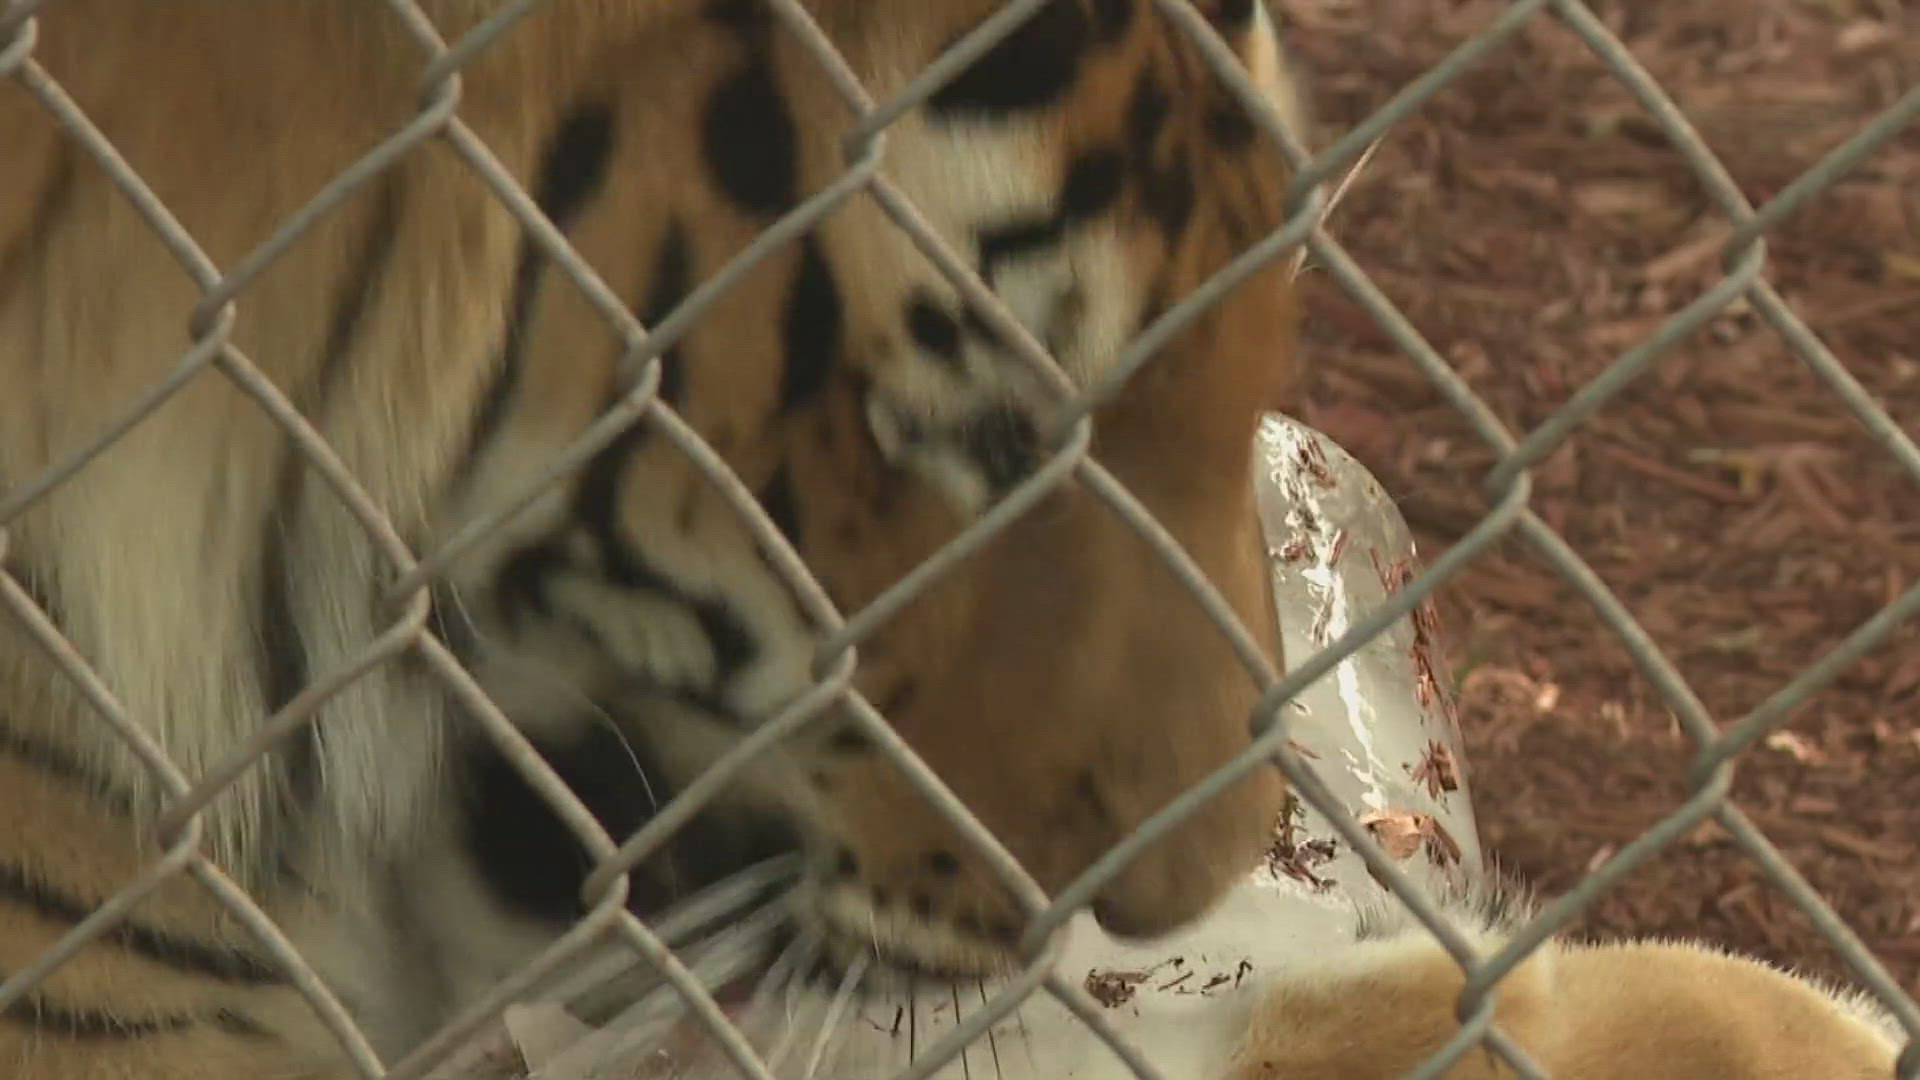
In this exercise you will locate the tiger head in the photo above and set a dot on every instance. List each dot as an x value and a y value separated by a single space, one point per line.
1061 679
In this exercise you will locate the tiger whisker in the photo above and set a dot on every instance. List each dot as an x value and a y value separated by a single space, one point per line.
830 1026
562 687
1299 260
791 985
651 1013
606 984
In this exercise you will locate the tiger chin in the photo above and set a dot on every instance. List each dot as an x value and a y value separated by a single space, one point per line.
1631 1009
1091 169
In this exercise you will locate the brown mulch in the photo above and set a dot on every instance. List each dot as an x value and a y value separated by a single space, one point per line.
1534 224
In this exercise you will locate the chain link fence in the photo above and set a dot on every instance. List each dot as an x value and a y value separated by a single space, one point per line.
208 324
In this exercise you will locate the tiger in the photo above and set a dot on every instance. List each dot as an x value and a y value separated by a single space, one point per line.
1092 168
1382 1004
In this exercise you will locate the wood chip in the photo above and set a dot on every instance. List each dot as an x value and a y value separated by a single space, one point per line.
1534 224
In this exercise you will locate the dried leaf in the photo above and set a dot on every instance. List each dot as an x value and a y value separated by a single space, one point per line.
1396 831
1788 742
1437 770
1901 266
1115 988
1709 833
1882 850
1622 197
1400 833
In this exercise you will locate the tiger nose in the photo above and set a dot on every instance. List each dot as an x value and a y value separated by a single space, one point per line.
1128 918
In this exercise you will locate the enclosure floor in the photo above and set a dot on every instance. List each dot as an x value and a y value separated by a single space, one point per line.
1533 224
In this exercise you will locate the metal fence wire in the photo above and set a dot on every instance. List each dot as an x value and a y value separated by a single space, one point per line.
221 288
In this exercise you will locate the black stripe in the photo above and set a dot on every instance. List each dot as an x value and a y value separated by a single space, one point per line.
1031 68
53 758
1233 14
58 761
810 328
672 281
46 756
283 652
521 583
750 141
1154 306
1111 19
734 646
181 954
1013 239
598 505
741 16
235 1024
851 740
1169 196
54 200
283 668
776 498
598 500
933 330
1229 126
1167 192
1093 183
373 264
572 171
282 657
1147 114
89 1025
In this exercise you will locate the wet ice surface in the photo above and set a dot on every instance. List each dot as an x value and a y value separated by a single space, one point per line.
1379 730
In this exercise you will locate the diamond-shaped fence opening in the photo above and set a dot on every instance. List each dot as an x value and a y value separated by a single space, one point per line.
206 330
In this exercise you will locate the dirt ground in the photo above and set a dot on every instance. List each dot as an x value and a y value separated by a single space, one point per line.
1533 224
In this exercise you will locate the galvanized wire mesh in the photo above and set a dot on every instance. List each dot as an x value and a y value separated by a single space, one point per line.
210 321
